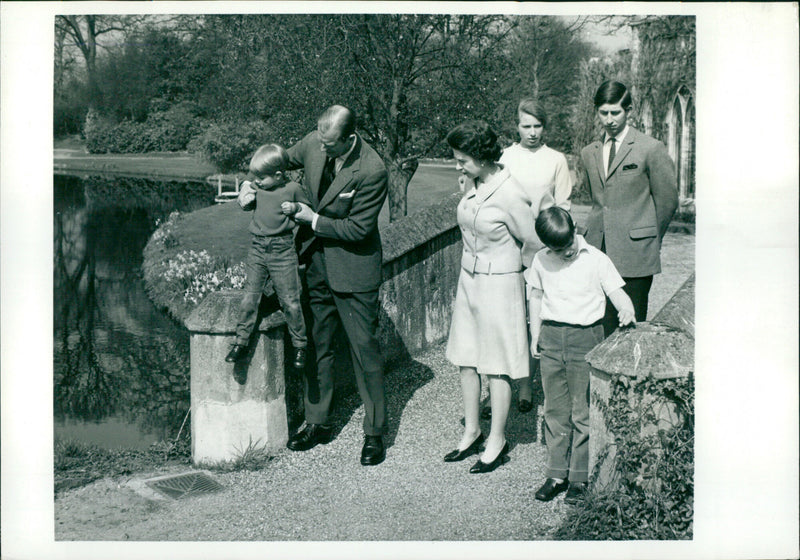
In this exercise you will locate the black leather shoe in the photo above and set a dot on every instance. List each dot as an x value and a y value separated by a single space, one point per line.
575 493
481 467
550 489
238 351
309 437
373 452
525 405
460 455
299 358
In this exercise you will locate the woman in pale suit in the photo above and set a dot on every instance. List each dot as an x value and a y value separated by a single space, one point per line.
488 333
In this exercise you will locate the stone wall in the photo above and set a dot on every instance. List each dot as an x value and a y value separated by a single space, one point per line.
421 256
660 351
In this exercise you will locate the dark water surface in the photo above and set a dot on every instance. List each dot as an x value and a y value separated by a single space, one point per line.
120 366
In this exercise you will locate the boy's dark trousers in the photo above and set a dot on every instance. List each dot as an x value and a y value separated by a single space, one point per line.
565 380
272 257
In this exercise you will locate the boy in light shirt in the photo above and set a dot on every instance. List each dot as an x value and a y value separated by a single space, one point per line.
568 282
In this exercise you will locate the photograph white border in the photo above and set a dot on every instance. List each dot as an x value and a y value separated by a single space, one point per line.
746 478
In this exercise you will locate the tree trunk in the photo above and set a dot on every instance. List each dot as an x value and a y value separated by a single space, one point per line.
400 173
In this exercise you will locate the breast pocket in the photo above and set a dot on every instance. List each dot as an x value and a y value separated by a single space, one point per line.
340 206
631 169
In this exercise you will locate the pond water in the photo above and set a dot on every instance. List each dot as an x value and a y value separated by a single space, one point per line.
120 366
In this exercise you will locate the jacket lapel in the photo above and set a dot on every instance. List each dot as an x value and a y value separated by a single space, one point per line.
624 150
351 166
488 190
597 151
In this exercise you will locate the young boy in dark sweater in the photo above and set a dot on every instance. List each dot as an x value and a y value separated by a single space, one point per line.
272 252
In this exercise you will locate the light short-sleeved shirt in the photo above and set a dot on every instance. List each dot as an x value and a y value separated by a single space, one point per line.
573 292
545 170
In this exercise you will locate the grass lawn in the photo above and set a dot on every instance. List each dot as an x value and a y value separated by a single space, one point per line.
222 229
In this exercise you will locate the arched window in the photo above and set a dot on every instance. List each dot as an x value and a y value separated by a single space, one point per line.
681 141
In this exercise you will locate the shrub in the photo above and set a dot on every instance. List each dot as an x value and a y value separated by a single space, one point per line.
229 146
69 112
164 131
654 497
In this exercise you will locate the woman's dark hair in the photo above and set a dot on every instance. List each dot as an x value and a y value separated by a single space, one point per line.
475 139
613 92
555 227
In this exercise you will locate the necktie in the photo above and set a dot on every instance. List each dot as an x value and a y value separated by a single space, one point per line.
611 153
327 177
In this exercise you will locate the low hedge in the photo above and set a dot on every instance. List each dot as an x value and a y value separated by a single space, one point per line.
170 130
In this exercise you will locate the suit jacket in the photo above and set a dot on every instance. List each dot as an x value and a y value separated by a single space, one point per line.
632 207
496 221
347 227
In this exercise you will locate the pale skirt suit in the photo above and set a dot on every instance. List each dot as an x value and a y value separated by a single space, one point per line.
488 329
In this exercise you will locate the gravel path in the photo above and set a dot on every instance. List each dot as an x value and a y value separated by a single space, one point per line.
325 494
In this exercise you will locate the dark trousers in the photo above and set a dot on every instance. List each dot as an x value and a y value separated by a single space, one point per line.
638 289
276 258
357 313
565 381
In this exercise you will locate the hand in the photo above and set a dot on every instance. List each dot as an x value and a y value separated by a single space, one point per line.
304 215
626 317
247 194
288 208
535 350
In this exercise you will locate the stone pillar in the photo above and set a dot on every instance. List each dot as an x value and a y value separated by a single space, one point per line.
660 350
241 405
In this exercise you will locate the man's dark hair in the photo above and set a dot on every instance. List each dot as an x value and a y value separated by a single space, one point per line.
555 227
613 92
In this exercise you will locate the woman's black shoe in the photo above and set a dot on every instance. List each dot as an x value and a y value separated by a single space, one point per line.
481 467
457 455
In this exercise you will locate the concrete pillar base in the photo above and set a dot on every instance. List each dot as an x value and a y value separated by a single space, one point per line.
241 406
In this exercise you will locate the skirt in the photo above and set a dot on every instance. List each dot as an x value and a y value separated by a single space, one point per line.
488 330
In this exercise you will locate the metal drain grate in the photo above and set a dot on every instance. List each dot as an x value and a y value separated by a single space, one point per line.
179 486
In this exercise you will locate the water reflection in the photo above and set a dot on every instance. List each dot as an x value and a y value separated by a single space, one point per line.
116 357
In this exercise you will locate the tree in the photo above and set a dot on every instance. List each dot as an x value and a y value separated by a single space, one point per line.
409 77
416 76
546 54
83 31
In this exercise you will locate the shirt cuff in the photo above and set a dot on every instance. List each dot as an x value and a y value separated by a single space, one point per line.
314 221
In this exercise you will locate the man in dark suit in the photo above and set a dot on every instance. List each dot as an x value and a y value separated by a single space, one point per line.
634 196
346 181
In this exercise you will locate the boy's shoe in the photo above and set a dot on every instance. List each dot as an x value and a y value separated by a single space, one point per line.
238 351
575 493
550 489
299 358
